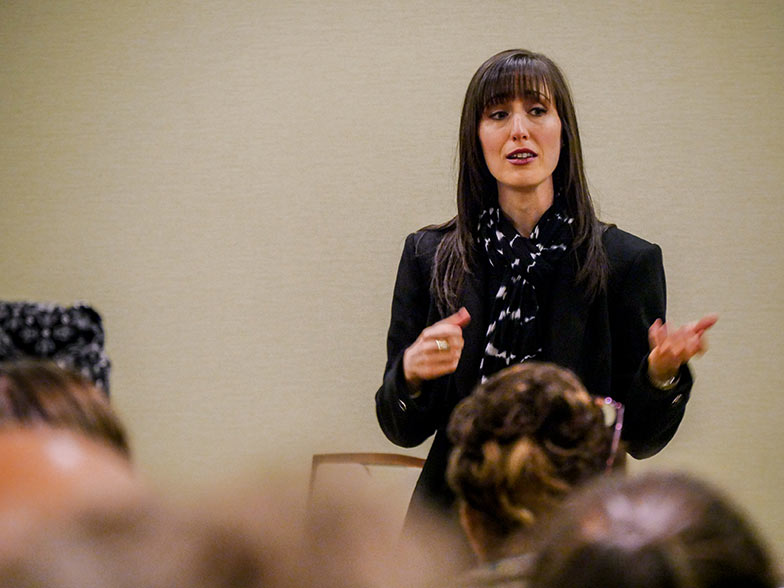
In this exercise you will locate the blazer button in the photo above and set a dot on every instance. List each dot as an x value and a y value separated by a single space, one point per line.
402 405
677 399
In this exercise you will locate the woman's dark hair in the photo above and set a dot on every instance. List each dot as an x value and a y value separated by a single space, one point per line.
34 392
659 530
523 440
509 74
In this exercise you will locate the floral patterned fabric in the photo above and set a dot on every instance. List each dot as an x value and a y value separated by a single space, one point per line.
71 336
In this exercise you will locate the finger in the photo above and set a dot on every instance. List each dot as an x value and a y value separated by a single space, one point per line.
657 334
444 360
439 345
684 345
441 366
461 318
700 344
652 331
706 322
450 345
424 361
444 347
442 330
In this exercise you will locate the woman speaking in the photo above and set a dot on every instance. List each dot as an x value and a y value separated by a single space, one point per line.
527 271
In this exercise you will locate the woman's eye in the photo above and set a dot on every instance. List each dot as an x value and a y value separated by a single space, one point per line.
497 114
538 110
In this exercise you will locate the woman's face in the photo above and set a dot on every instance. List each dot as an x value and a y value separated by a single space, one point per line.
521 142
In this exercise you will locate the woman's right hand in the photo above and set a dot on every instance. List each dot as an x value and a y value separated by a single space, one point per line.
436 352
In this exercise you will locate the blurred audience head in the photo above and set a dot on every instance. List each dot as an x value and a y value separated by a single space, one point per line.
138 544
523 440
658 530
34 392
251 536
48 471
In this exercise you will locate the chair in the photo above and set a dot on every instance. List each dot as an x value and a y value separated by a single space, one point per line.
385 480
363 459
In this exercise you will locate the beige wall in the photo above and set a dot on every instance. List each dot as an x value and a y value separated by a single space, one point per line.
230 184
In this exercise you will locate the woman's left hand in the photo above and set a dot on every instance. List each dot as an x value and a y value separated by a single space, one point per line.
672 348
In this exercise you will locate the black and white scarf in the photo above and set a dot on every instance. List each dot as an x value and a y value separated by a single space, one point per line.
525 265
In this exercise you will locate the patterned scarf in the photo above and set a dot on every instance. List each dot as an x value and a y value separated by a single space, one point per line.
525 266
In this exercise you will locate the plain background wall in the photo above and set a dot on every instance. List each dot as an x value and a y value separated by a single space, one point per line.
230 184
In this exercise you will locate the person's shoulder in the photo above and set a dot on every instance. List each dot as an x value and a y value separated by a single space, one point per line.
425 241
629 257
623 247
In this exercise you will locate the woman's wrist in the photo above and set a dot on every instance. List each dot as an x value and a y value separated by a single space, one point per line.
663 379
664 385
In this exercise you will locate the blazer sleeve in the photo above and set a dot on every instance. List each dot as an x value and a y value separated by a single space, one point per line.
408 421
652 416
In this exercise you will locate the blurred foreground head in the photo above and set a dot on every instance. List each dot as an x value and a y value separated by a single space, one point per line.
34 392
48 472
522 441
258 535
145 543
72 514
659 530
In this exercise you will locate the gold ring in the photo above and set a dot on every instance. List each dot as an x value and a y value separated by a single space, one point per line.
442 344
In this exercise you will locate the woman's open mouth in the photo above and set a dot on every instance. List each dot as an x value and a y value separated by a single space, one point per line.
521 156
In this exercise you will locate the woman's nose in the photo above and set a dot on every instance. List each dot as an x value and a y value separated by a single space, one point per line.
519 128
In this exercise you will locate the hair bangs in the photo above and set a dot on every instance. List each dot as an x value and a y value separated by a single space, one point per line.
517 76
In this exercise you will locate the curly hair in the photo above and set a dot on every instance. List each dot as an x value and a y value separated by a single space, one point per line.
523 440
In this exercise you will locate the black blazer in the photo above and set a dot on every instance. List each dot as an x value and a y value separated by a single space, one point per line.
604 341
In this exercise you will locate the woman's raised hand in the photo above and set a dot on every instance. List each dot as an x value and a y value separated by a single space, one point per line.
436 351
672 348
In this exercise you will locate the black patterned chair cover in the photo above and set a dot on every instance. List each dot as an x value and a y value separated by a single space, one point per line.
71 336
